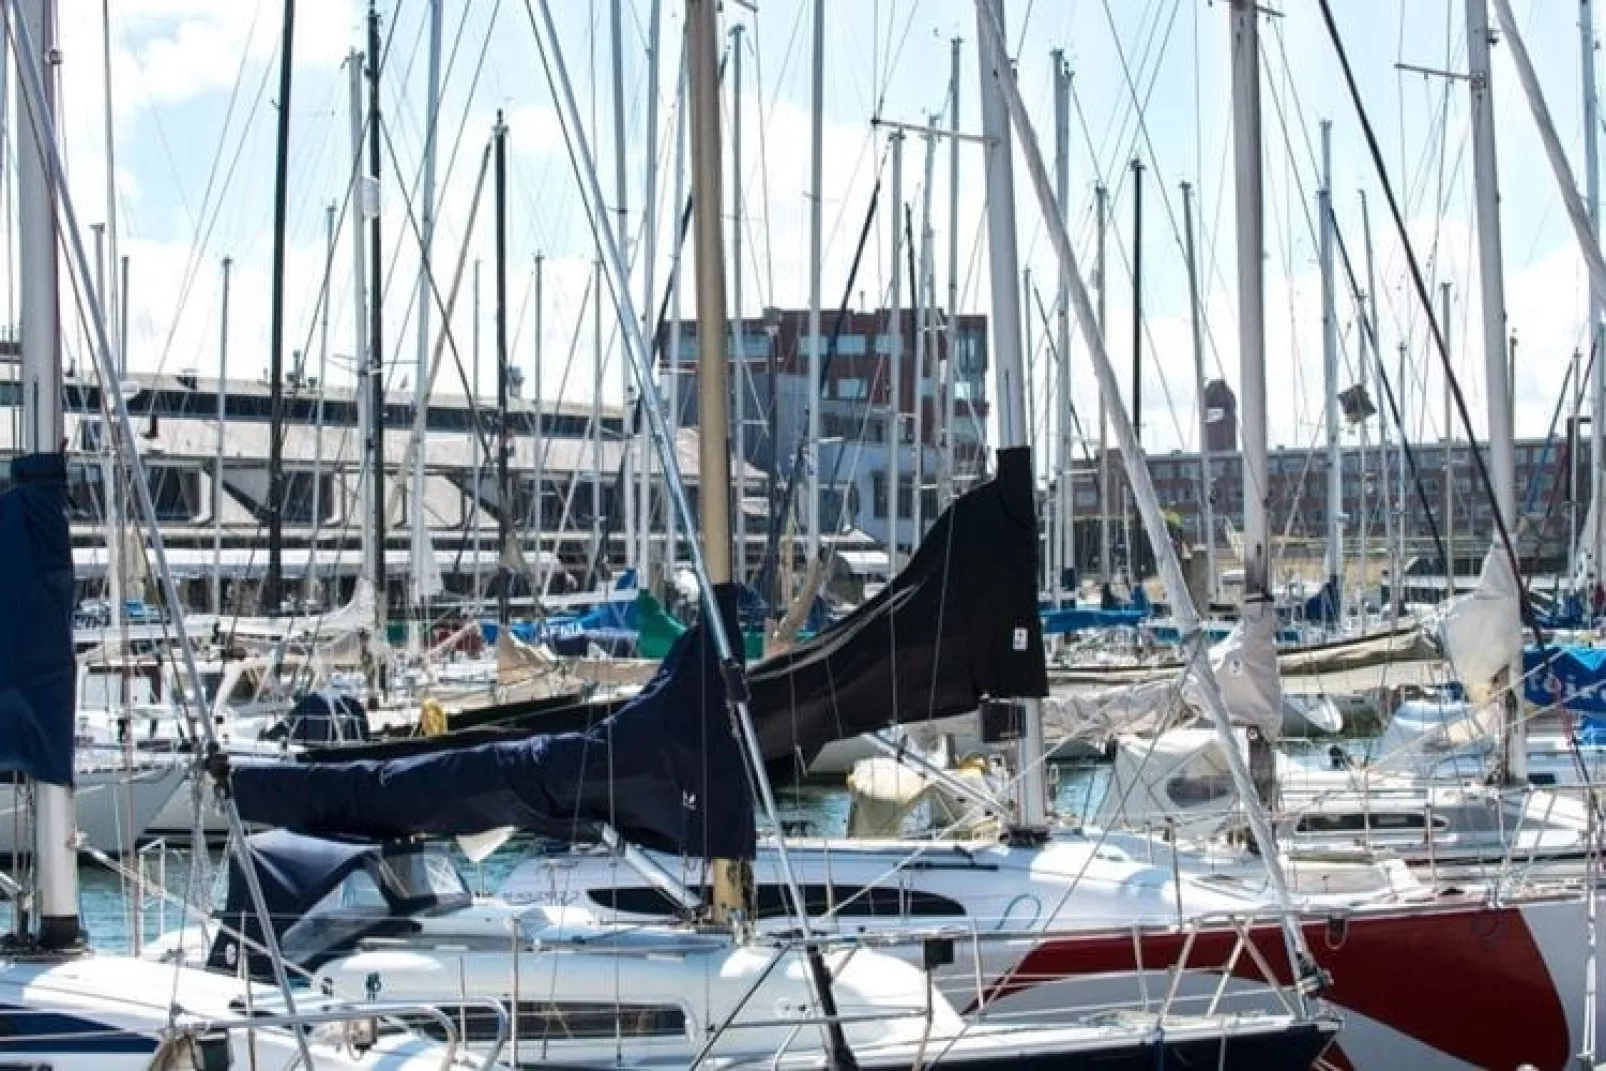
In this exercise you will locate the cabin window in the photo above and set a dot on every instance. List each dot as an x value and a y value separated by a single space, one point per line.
102 690
1377 821
345 911
1200 780
850 901
424 875
561 1021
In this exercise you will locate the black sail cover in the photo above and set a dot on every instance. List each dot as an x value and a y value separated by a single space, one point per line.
38 674
958 625
665 770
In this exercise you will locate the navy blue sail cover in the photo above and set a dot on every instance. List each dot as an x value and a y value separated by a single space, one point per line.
37 671
665 770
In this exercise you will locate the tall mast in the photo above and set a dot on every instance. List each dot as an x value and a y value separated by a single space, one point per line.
217 464
115 487
622 207
315 581
950 366
376 348
42 433
671 517
895 362
420 541
1064 526
713 366
1031 807
538 462
1383 434
1259 606
1491 266
738 333
1335 450
273 585
1402 501
812 395
1206 473
1576 372
479 428
649 259
504 496
362 205
1251 290
1148 504
922 317
1597 299
599 553
1449 447
1101 209
111 479
1137 360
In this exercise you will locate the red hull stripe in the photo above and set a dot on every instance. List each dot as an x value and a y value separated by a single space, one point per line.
1469 982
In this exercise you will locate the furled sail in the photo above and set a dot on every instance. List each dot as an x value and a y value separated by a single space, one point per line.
37 674
665 770
1480 634
957 625
1245 665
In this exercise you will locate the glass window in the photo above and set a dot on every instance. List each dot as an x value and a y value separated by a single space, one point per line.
847 345
416 875
560 1021
851 388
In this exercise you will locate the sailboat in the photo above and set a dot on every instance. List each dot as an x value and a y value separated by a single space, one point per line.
666 771
1399 957
60 1005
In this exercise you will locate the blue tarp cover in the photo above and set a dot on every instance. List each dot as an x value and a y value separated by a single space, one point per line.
38 676
1323 606
295 872
1575 677
665 771
322 718
1081 618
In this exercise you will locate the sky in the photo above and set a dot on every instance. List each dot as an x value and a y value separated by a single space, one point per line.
194 92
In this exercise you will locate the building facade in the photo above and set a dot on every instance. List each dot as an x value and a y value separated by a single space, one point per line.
769 360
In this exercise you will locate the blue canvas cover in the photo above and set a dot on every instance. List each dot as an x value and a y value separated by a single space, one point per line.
322 718
665 770
1083 618
37 672
1575 677
295 872
1322 607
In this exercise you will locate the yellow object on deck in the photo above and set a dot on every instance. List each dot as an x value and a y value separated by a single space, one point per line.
431 717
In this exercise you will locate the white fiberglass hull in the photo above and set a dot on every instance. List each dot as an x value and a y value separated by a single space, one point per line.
105 1013
1422 981
115 807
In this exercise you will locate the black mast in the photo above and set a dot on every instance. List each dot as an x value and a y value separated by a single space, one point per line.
504 500
273 586
1137 335
376 347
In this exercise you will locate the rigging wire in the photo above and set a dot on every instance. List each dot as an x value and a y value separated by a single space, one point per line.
1502 532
